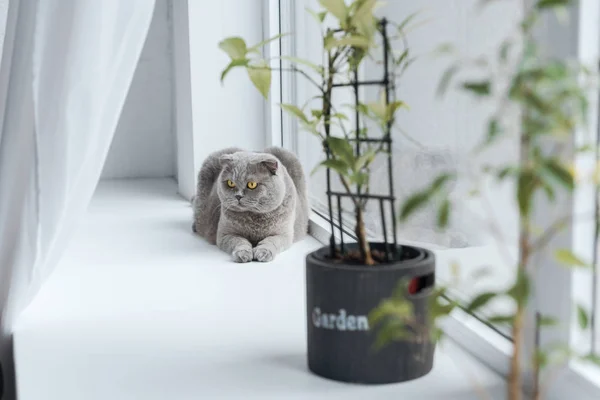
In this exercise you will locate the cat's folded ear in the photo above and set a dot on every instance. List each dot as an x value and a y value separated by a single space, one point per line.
225 159
269 161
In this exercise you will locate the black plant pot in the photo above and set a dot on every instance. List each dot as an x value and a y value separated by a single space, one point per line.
339 297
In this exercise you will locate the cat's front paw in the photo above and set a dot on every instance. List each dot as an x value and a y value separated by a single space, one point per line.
242 255
263 254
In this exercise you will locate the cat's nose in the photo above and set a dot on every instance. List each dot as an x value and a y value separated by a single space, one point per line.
238 196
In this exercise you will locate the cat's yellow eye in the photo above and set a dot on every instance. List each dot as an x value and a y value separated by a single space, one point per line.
252 185
230 183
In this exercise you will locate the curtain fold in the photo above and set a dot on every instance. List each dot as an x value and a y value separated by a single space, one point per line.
68 73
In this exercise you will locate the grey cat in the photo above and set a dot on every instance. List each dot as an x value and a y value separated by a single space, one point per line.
252 205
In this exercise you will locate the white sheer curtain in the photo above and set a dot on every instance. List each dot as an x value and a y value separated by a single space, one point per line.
66 69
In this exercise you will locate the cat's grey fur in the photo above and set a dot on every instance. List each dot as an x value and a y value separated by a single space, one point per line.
257 224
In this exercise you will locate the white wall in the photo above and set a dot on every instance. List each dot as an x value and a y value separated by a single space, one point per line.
144 143
232 114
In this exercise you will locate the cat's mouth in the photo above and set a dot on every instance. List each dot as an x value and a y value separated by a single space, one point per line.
242 206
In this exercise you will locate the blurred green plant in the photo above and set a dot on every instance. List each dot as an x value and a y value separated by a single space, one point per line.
549 96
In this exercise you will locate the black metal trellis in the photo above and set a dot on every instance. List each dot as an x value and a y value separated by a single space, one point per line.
390 248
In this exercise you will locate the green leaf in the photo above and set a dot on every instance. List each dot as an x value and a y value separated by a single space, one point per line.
493 129
406 21
257 47
401 289
337 8
507 171
437 335
413 204
235 47
364 20
360 42
359 178
504 50
319 17
540 359
585 148
521 289
402 57
439 182
482 88
547 321
294 110
501 319
392 331
233 64
342 149
568 259
561 174
401 309
260 75
445 48
439 305
365 159
443 214
544 4
338 166
420 199
447 76
392 108
582 318
480 301
306 63
549 190
525 189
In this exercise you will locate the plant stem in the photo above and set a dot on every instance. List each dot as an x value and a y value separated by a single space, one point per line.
363 244
537 393
514 379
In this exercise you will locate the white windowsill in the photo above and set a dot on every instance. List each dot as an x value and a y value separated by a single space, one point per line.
140 308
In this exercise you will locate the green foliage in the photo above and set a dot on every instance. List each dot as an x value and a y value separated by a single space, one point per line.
568 259
257 68
582 317
260 75
550 95
521 289
480 301
423 197
481 88
444 214
547 321
544 4
501 319
235 47
337 8
394 318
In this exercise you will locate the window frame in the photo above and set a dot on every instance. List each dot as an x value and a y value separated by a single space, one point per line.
478 339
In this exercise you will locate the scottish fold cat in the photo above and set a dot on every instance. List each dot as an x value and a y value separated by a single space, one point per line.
252 205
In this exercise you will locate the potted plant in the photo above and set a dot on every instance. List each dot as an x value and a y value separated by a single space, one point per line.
549 97
347 279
